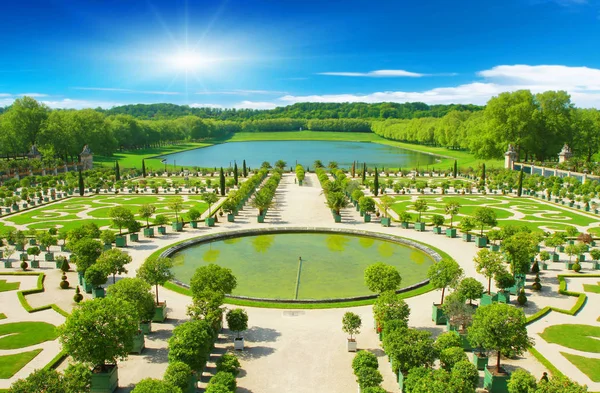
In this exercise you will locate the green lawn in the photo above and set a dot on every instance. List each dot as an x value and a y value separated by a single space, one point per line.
591 288
2 316
10 364
588 366
133 159
8 286
579 337
76 211
509 211
23 334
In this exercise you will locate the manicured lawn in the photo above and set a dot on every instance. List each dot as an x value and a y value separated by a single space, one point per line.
23 334
588 366
10 364
133 159
8 286
77 211
509 211
580 337
4 228
2 316
591 288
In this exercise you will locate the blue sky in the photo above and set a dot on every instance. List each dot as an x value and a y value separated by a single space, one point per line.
267 53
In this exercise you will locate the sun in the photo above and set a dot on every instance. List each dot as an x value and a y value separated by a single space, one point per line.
189 61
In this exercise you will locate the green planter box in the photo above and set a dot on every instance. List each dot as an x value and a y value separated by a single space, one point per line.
49 257
162 230
488 298
35 264
19 247
160 312
64 248
480 241
362 213
451 232
561 248
386 221
230 217
87 287
544 265
464 341
58 264
149 232
121 241
23 256
80 278
555 257
32 242
400 380
98 292
595 265
107 246
7 265
177 226
260 219
438 315
105 382
146 327
367 218
210 221
194 224
337 218
138 344
466 237
420 226
480 360
569 265
495 383
503 297
495 247
404 225
134 237
437 230
582 258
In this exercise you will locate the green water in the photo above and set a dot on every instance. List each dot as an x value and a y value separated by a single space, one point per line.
333 265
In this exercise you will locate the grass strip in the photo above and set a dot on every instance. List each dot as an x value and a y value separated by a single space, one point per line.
545 362
588 366
11 364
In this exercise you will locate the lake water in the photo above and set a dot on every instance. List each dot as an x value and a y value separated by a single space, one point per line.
333 265
303 152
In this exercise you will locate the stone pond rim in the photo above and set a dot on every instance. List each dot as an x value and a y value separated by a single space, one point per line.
319 230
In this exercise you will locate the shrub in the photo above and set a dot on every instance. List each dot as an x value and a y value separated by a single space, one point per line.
64 284
368 377
521 381
217 388
178 374
151 385
364 359
225 379
464 376
522 299
447 340
64 265
78 296
536 285
229 363
536 267
576 267
374 389
24 265
451 356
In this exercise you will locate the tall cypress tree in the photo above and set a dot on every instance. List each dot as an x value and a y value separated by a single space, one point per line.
244 170
144 168
353 169
376 183
455 170
81 185
235 173
520 188
364 174
117 172
222 182
483 174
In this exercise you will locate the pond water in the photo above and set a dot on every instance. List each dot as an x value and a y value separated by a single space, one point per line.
268 266
303 152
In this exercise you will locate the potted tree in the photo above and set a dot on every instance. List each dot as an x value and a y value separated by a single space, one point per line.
210 198
146 212
504 281
176 204
488 263
445 273
230 206
193 215
114 261
405 219
452 209
438 221
367 206
484 217
137 292
108 237
351 324
46 240
121 218
134 227
336 201
96 275
161 221
420 206
466 225
157 271
545 257
182 376
386 203
114 323
556 241
494 235
237 320
595 254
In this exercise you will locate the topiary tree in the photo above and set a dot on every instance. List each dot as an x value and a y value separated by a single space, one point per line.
464 377
96 275
535 268
178 374
437 220
366 204
409 348
485 216
225 379
193 214
215 388
351 324
387 307
229 363
522 298
237 320
146 212
467 224
212 278
471 289
151 385
156 271
364 359
137 292
445 273
488 263
521 381
452 209
121 217
86 252
76 379
368 377
499 327
447 340
450 356
99 332
78 297
176 204
420 206
380 277
114 261
191 343
504 280
35 251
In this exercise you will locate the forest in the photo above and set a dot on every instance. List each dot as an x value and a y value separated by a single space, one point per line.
538 125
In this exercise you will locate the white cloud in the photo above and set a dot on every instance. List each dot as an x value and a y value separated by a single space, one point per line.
68 103
5 95
581 78
241 92
376 74
119 90
256 105
33 95
214 106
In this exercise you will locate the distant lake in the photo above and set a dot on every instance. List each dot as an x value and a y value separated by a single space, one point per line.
304 152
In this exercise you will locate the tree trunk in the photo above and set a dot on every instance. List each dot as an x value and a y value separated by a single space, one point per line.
443 290
489 284
498 363
157 294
